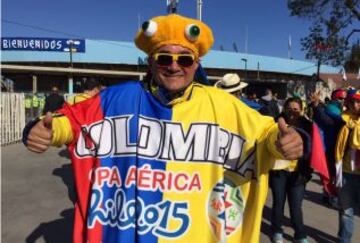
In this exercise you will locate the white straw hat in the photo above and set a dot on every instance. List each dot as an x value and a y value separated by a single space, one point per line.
230 83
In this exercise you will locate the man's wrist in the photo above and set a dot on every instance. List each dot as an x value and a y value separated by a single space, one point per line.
28 128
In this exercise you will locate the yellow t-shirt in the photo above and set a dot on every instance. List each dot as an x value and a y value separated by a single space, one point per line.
289 165
78 98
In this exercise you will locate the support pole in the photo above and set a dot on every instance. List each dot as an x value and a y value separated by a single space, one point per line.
199 9
70 85
34 84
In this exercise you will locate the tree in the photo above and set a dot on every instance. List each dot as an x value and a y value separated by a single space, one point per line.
352 63
332 27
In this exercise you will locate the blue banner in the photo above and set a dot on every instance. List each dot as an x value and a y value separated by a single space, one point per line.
42 44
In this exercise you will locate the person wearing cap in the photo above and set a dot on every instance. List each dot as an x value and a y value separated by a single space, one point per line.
338 97
231 83
347 155
171 162
328 118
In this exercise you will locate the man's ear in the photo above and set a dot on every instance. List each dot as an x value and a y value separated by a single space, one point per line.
196 64
150 61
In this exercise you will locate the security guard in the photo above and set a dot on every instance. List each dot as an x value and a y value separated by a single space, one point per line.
28 102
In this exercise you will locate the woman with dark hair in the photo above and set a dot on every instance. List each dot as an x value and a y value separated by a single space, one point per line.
288 178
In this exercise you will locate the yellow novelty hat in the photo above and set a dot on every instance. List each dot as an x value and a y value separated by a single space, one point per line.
174 29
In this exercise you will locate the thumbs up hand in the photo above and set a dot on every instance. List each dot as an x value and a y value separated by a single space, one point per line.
289 142
40 135
47 120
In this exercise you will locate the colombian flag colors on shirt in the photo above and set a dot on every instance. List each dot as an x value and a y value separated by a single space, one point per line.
147 172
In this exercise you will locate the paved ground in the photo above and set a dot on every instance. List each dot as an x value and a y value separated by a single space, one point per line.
37 207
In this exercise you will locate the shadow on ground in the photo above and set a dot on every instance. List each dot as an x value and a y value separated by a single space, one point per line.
66 174
316 197
316 234
64 153
58 230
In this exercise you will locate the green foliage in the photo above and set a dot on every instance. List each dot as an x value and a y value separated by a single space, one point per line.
352 63
332 27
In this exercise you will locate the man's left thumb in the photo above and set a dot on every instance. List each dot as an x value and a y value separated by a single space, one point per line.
283 127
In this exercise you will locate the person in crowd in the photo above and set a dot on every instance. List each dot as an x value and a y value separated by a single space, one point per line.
288 179
328 118
327 100
54 101
232 84
172 161
270 104
348 166
275 96
252 96
91 87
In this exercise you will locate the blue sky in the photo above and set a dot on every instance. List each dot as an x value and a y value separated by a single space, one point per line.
268 23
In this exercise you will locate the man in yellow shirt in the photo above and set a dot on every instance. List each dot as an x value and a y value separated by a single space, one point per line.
172 162
91 87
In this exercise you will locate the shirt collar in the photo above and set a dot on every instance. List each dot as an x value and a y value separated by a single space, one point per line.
162 95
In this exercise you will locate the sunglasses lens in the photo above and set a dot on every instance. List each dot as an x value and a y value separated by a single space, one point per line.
167 59
164 60
185 61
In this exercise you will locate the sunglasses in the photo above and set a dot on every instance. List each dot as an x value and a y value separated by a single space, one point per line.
166 59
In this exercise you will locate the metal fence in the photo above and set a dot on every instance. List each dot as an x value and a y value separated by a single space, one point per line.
12 117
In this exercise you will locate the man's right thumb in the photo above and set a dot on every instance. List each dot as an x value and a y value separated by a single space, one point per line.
47 120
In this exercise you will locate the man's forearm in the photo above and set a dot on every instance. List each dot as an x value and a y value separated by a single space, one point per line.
61 130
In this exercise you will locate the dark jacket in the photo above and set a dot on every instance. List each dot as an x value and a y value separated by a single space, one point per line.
53 102
269 108
330 124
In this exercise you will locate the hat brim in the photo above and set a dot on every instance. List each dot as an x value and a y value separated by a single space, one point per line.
355 97
232 89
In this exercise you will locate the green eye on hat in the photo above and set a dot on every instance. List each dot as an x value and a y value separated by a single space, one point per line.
149 28
192 32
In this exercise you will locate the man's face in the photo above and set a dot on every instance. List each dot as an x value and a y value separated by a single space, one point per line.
173 77
355 107
55 90
237 93
341 99
293 110
269 92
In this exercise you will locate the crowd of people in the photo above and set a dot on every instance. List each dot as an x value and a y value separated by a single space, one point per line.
174 159
336 117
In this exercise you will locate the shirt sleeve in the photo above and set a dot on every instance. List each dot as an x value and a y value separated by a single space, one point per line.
341 143
62 132
271 139
71 118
